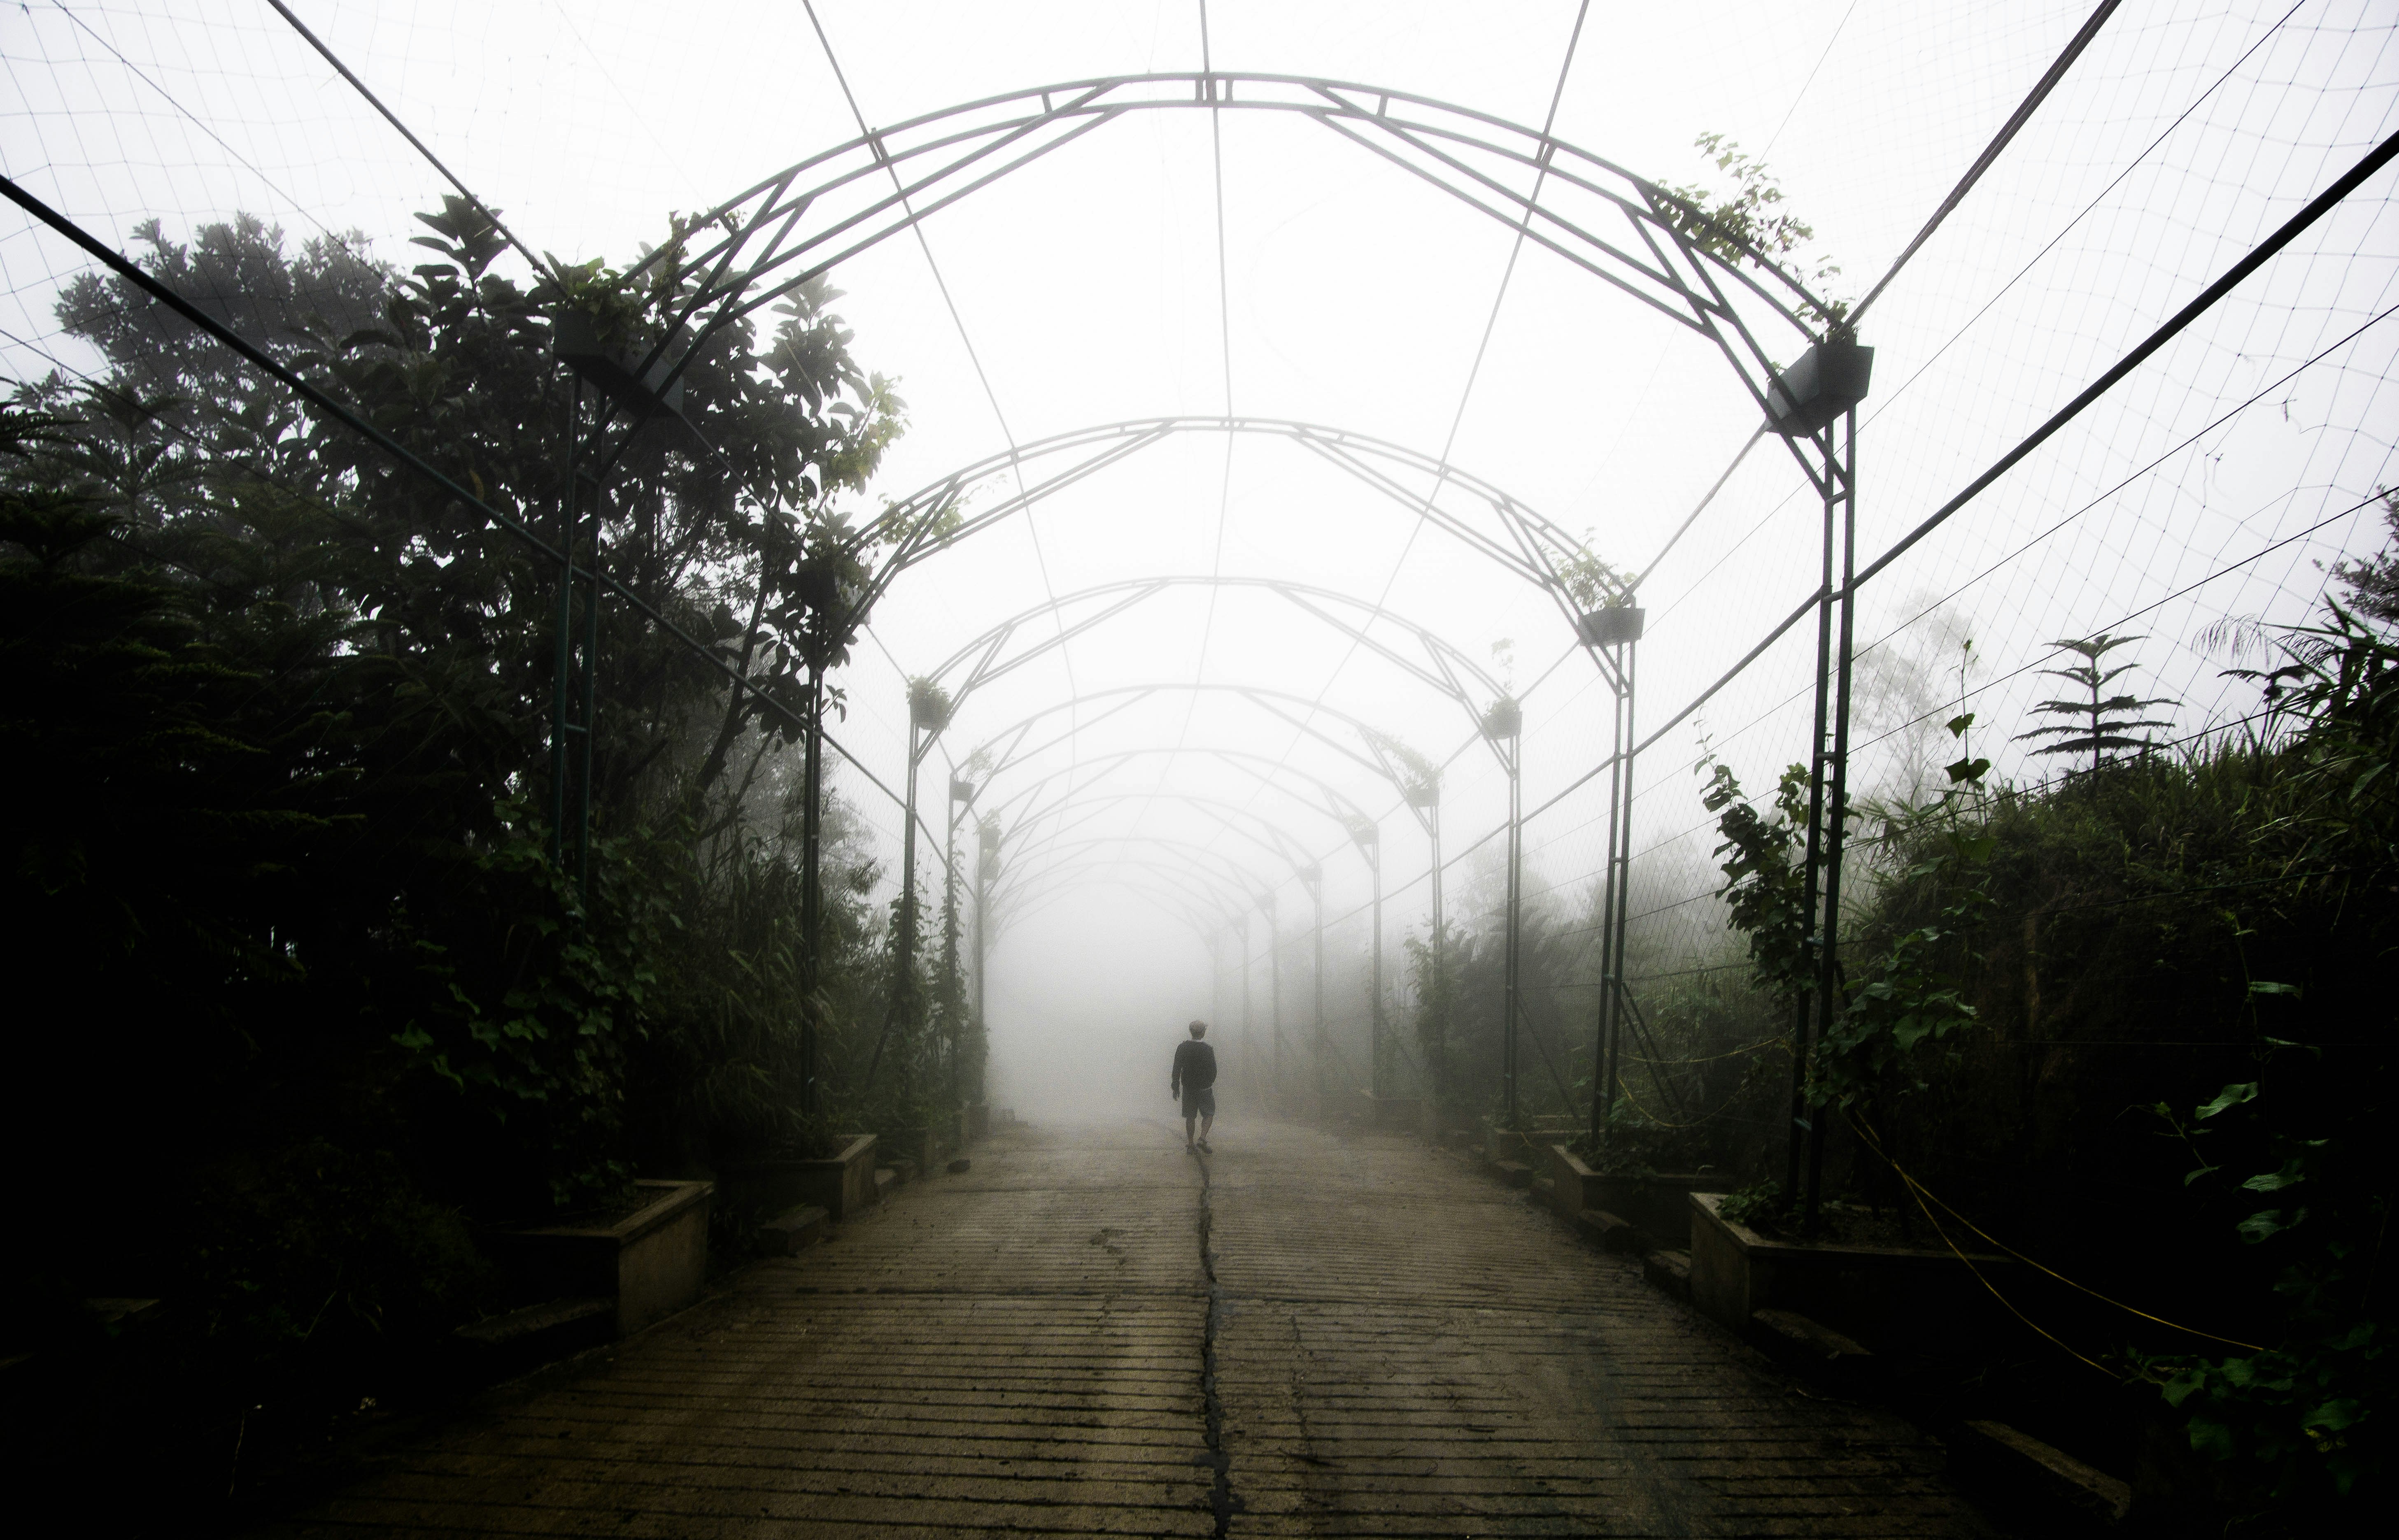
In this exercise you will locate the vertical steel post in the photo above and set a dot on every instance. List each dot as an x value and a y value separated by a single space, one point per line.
811 892
1274 991
561 725
1828 981
1804 1001
904 983
1378 1049
1627 666
1514 919
1437 1052
950 949
590 710
1603 1047
987 872
1249 1037
1322 1036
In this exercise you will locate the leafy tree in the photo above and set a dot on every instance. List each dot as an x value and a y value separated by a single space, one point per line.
285 714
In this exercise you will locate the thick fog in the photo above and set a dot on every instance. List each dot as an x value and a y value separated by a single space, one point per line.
1253 263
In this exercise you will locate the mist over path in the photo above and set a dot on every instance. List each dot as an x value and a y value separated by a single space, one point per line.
1389 1344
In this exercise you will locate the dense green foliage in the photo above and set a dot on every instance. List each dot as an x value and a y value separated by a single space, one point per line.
322 1004
2137 1024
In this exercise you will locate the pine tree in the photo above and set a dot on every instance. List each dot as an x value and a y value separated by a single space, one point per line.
2103 723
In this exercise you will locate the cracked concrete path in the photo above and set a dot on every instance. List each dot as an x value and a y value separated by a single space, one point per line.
1089 1334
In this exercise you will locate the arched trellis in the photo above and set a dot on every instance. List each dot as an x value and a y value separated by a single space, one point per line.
1269 773
1665 253
1237 818
1222 873
1659 249
1419 793
1443 668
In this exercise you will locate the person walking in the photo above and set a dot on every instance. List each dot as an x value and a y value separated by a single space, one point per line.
1195 1081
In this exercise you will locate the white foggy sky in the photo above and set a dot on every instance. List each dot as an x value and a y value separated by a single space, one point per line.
1088 284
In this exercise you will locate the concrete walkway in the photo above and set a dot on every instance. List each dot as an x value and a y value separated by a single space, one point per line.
1091 1334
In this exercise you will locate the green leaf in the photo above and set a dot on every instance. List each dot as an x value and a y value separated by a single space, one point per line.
2260 986
2274 1182
2230 1097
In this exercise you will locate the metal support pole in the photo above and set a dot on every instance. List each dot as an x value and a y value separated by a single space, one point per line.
987 872
1515 898
1437 1052
903 984
590 707
1804 1001
1603 1047
561 723
899 1012
950 952
1828 981
1378 1050
1318 1049
811 890
1628 663
1249 1038
1274 991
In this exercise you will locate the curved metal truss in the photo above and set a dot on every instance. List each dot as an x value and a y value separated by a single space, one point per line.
919 526
1625 230
1443 667
1377 758
1658 249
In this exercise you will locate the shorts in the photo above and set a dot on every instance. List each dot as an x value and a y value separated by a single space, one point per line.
1200 1102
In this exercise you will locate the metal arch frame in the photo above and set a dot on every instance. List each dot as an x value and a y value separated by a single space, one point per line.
1237 758
1425 812
1692 271
1448 661
1258 694
1235 818
1183 907
1446 669
917 527
940 157
1308 868
1187 853
1308 871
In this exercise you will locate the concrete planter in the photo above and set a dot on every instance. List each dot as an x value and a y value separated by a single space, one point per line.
842 1186
1891 1298
1658 1203
651 1262
919 1147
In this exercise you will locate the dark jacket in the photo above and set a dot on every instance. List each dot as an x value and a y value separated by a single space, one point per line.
1195 1066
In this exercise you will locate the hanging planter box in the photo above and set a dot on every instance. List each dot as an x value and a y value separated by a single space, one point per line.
651 1261
1829 379
1505 719
1613 625
1889 1297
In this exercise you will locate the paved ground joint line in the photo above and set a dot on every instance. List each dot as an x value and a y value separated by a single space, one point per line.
1221 1500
